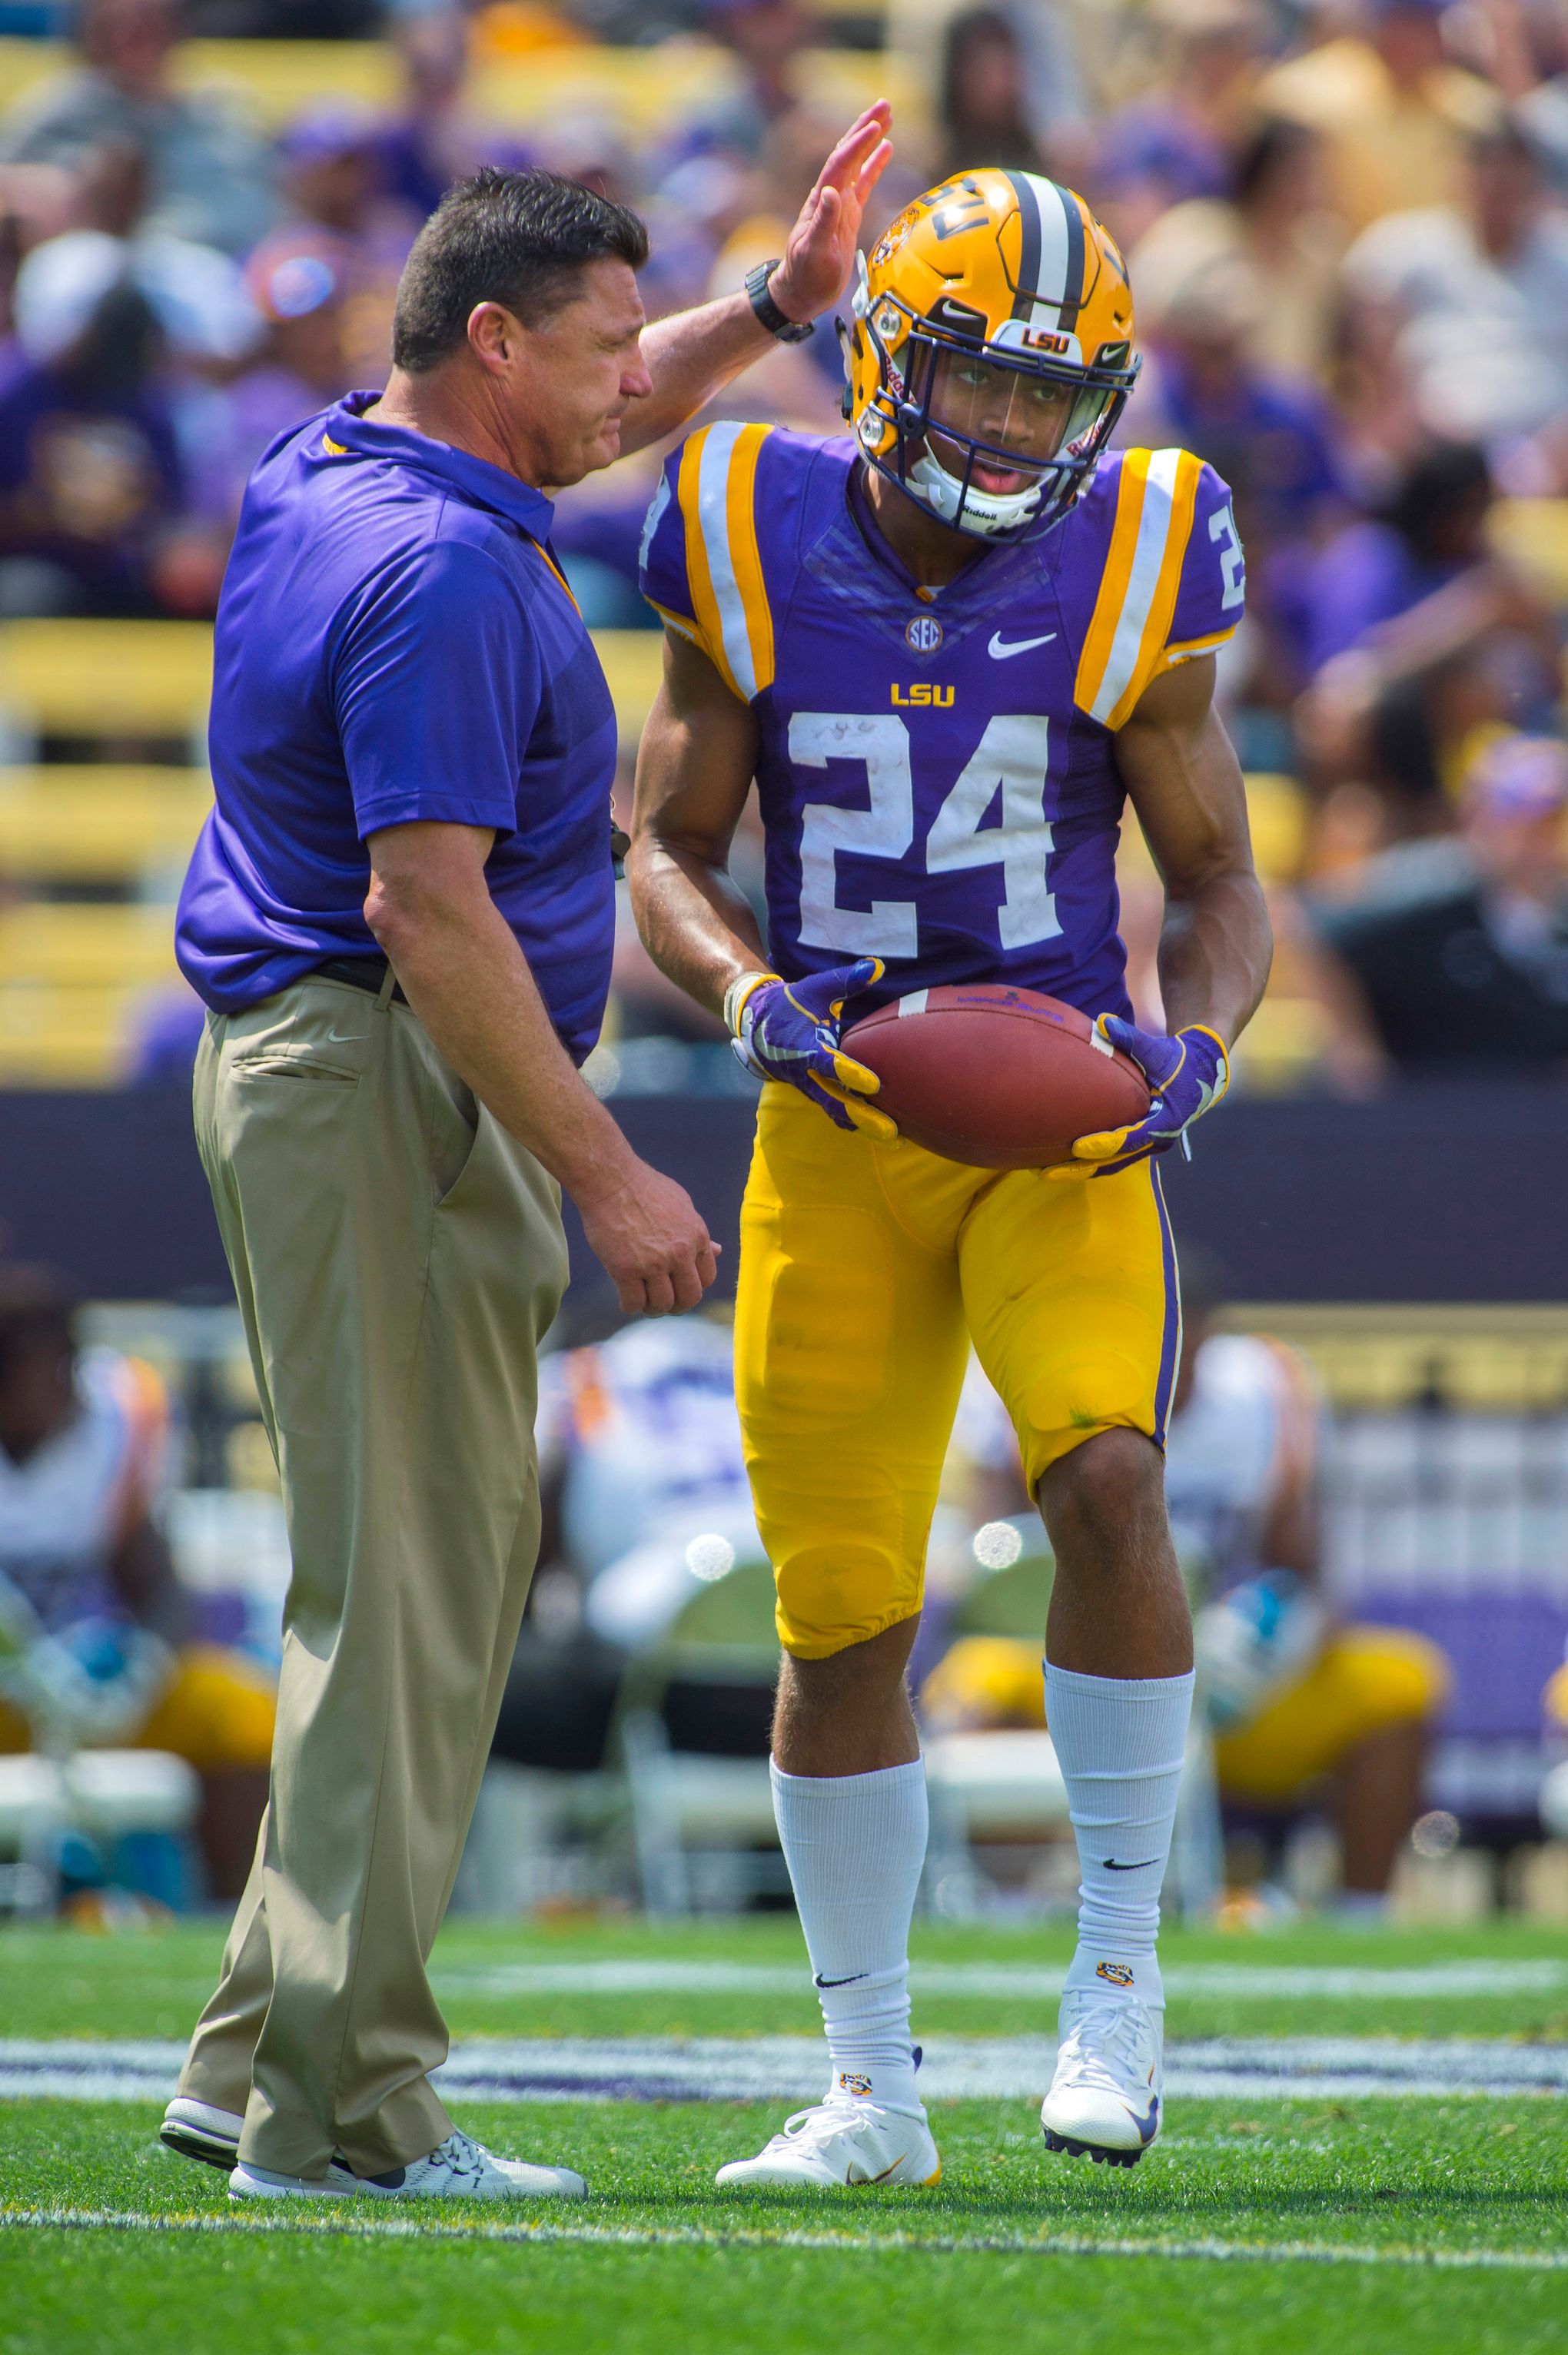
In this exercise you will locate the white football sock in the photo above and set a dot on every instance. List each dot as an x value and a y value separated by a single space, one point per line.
854 1845
1120 1743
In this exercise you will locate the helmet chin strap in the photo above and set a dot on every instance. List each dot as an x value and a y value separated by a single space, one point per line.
988 515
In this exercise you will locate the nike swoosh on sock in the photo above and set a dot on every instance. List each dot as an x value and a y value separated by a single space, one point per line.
849 1982
1109 1864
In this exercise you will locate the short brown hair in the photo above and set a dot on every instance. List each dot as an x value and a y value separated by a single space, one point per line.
518 239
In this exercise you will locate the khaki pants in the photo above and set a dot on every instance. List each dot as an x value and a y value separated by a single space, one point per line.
398 1257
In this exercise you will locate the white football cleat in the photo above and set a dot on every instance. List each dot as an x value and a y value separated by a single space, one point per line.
841 2142
1105 2096
458 2168
198 2130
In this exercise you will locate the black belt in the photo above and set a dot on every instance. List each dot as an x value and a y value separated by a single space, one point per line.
367 972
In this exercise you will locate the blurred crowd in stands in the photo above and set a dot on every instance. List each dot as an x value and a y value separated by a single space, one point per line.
1347 226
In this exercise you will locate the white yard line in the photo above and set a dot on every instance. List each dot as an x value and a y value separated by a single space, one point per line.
699 2236
1243 1981
790 2068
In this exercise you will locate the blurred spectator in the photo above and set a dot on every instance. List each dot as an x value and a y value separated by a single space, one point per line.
639 1452
434 137
1050 37
1394 112
1425 635
1176 142
1460 947
1425 562
297 284
1274 217
1300 1706
639 1456
210 176
1532 68
1473 297
332 180
1271 436
89 464
767 38
984 113
100 1631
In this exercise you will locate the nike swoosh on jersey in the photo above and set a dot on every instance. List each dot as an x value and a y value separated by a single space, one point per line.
1000 648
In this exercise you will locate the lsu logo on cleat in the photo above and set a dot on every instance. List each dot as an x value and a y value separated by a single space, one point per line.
1115 1974
850 2083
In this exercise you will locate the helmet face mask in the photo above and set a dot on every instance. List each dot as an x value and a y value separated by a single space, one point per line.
964 389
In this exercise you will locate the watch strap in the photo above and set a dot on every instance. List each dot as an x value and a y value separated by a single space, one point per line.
785 330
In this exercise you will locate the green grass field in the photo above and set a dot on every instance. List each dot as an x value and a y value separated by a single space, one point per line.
1253 2224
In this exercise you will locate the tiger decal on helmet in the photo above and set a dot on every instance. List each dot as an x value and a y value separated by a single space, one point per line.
991 352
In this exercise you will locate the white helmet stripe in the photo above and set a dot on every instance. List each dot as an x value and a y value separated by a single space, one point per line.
1051 256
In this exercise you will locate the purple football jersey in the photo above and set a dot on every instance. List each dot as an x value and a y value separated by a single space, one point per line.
937 772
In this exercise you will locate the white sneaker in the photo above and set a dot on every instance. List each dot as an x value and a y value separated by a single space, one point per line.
198 2130
458 2168
841 2141
1105 2096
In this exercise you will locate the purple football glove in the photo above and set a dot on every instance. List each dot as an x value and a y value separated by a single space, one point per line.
789 1031
1186 1074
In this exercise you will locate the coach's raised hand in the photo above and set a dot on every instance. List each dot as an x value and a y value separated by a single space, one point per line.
820 252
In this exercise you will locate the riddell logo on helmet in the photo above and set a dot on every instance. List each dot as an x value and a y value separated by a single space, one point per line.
859 2086
1115 1974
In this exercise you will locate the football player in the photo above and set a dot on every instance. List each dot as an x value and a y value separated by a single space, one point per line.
947 648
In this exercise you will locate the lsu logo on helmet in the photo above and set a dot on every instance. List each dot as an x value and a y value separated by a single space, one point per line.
991 352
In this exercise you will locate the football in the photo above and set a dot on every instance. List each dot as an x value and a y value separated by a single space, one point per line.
1000 1078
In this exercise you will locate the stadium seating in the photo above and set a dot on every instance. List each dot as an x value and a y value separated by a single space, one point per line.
105 680
641 91
110 828
71 973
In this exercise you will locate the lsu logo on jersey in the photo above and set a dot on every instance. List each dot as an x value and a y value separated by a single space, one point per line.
924 695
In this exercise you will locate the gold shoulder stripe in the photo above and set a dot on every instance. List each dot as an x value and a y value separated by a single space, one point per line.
1125 641
698 579
1100 632
717 489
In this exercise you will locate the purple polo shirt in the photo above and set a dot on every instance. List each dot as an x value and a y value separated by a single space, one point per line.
394 643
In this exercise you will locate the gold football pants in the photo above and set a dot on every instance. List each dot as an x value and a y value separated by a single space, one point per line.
865 1272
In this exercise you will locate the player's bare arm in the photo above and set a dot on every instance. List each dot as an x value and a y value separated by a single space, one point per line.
694 771
1184 781
691 355
1181 773
465 978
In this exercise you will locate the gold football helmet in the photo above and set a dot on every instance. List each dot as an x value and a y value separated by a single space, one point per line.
991 351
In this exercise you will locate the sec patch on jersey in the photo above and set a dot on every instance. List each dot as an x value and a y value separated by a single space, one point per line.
996 1077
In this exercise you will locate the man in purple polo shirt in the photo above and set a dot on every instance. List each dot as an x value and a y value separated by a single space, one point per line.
400 916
